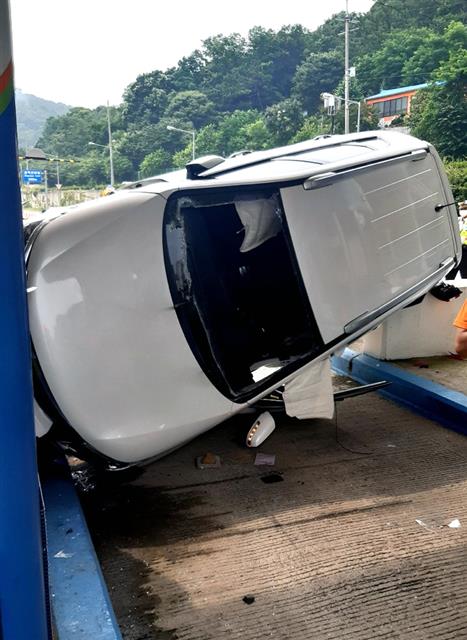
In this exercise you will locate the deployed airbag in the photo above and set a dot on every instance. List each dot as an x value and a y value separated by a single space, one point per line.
260 219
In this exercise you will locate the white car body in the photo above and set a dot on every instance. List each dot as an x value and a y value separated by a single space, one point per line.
160 311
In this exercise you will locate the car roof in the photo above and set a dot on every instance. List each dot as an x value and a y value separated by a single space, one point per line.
289 163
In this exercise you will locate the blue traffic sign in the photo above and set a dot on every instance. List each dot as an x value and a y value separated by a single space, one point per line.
33 176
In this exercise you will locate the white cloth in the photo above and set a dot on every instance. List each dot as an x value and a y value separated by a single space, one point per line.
310 394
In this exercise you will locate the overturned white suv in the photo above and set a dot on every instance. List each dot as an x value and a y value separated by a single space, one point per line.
163 309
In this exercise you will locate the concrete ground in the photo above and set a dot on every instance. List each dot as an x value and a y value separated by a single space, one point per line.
350 542
446 370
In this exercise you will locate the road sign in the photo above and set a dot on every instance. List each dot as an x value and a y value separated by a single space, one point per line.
33 176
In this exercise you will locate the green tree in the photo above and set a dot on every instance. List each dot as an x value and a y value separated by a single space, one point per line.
433 52
273 59
388 16
233 131
70 134
457 175
439 113
145 100
191 108
384 68
158 161
312 126
237 131
226 80
319 73
283 120
189 73
90 172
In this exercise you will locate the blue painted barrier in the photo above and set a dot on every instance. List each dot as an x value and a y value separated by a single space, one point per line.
22 593
427 398
81 603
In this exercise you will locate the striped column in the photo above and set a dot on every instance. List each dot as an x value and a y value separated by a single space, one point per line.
22 604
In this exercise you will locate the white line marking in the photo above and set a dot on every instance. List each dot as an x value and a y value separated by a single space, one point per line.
416 258
438 220
386 186
412 204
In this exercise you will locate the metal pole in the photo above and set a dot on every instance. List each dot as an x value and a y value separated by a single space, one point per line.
358 116
346 76
22 601
59 198
46 189
112 177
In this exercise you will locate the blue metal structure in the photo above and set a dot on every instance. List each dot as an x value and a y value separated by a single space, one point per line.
22 594
81 603
427 398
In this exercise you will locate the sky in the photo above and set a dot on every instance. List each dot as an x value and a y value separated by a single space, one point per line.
85 52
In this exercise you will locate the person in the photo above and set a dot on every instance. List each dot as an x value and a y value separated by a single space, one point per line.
462 266
460 323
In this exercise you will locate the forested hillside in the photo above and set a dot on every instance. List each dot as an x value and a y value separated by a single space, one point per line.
31 114
264 90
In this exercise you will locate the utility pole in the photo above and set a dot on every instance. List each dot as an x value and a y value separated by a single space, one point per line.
347 72
46 186
58 185
111 159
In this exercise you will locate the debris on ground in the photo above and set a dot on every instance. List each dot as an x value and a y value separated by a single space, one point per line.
248 599
452 524
265 459
271 478
208 461
421 364
445 292
62 554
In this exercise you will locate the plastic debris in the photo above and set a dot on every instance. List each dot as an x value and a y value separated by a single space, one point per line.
454 524
265 459
62 554
422 524
248 599
208 461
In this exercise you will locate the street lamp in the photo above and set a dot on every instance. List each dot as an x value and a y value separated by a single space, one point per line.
329 100
190 133
107 146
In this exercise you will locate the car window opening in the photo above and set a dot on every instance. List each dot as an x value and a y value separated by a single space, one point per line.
237 289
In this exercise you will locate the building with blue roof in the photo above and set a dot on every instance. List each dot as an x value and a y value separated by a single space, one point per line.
391 103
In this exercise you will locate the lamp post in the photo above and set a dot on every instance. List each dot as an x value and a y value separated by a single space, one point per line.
346 74
190 133
330 99
108 146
